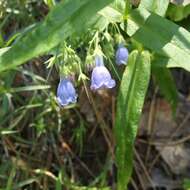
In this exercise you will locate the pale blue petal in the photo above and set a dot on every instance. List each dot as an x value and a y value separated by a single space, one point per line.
122 55
66 93
101 78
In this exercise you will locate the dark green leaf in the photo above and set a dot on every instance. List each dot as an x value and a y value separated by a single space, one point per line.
167 85
178 12
131 97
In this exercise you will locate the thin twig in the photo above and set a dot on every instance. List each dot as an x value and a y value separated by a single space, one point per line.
144 168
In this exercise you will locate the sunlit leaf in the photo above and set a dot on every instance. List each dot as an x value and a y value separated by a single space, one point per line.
131 97
167 39
67 18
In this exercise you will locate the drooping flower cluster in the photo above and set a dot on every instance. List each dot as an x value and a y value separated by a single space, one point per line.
100 78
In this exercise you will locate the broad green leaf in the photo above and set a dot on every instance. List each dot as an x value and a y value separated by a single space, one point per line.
167 86
162 61
67 18
162 36
178 12
157 6
119 5
3 50
111 14
106 16
131 97
163 75
186 184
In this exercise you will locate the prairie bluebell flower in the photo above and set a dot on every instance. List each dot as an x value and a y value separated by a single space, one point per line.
66 93
121 55
101 77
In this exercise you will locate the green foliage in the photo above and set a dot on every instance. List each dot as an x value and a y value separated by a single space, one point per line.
162 75
72 32
163 37
157 6
50 3
66 19
178 12
131 97
186 184
11 179
167 85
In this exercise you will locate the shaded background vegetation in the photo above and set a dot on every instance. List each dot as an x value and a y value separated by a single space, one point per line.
43 146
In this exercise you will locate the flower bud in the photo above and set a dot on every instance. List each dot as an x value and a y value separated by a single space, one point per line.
121 55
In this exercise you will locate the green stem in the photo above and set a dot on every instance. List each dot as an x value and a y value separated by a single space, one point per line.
127 9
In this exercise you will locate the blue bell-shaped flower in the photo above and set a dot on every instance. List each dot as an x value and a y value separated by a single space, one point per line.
101 77
122 55
66 93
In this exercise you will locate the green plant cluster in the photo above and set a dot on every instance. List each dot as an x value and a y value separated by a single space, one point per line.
65 36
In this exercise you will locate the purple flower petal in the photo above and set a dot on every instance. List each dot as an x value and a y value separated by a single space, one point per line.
101 78
122 55
66 93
